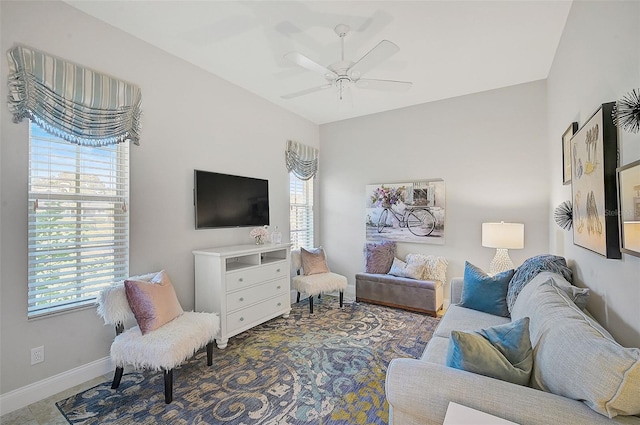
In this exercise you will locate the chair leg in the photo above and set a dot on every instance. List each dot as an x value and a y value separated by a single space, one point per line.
210 353
117 377
341 298
298 298
311 304
168 386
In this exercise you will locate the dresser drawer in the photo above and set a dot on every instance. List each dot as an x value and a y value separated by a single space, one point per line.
245 318
246 297
246 277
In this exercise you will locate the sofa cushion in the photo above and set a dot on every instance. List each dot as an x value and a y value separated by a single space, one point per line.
573 355
465 319
502 352
485 293
436 350
379 256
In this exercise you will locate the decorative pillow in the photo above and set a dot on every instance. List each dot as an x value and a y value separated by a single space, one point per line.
435 268
397 268
485 293
530 268
154 302
503 352
314 261
379 256
413 268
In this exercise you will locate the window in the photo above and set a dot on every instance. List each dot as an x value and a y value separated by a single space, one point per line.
301 212
78 221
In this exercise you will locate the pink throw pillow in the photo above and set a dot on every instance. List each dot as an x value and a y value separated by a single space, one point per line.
314 261
378 256
153 303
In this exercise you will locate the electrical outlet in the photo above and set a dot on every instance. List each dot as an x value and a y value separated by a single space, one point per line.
37 355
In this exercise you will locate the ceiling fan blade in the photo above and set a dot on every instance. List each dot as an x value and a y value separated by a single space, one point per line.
307 91
305 62
368 83
383 50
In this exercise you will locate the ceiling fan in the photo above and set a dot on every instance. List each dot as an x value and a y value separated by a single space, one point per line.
344 73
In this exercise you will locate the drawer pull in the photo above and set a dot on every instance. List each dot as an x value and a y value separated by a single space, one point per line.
241 299
240 280
279 304
277 270
242 319
278 287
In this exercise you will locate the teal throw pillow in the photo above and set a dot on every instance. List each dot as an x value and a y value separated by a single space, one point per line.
485 293
503 352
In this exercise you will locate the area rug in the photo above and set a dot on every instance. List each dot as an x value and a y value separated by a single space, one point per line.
323 368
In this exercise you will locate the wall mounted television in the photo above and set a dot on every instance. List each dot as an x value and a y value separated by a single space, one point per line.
225 200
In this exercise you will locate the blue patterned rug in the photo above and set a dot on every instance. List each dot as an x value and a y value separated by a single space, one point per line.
325 368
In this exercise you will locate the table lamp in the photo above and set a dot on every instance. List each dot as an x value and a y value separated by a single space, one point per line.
502 236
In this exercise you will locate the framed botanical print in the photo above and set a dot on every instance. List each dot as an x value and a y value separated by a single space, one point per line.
594 155
566 152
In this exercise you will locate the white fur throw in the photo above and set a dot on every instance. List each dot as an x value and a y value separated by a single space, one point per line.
113 306
296 259
168 346
315 284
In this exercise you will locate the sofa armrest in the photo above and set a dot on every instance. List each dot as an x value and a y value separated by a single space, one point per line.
455 290
419 392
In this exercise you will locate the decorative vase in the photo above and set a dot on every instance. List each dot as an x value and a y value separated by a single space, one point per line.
259 240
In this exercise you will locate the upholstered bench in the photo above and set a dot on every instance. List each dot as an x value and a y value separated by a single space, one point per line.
425 296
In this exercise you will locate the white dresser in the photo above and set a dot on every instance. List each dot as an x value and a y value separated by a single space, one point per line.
245 284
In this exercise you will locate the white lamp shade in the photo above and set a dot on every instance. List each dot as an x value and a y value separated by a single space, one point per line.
503 235
631 234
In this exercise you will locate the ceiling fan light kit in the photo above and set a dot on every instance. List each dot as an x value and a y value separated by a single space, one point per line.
344 73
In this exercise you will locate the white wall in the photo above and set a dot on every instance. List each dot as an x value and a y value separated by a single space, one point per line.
490 149
191 120
597 61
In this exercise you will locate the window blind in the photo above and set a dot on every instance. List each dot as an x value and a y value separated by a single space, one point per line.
78 221
301 212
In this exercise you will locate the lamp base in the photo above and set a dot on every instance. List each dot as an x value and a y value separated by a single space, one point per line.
501 262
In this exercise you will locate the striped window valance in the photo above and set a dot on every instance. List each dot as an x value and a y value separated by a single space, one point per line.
302 160
72 102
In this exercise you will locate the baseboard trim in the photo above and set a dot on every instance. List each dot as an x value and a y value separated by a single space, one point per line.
22 397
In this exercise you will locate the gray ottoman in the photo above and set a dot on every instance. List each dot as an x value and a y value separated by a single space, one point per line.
425 296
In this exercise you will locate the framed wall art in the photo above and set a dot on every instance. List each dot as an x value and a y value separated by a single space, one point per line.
566 152
594 155
629 201
406 212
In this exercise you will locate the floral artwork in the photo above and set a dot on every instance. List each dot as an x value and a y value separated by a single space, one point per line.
594 156
406 212
386 196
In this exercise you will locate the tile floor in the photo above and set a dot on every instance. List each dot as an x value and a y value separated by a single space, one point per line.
45 412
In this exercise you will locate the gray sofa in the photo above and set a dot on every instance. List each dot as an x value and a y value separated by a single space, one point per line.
574 359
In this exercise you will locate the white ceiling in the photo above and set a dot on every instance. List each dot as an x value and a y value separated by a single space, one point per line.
447 48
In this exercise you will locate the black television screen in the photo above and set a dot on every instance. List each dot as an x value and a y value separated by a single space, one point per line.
224 200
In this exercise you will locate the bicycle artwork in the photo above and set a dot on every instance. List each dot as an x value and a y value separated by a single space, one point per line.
406 212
